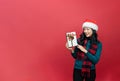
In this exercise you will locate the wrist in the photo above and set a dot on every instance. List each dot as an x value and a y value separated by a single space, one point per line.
72 51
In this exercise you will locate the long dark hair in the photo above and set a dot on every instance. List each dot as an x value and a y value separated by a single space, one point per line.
93 39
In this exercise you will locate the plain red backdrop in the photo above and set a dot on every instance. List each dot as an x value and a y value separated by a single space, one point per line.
32 38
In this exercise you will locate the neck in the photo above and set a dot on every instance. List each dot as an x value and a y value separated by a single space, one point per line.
88 38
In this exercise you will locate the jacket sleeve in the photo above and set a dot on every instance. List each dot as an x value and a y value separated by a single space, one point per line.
95 58
74 55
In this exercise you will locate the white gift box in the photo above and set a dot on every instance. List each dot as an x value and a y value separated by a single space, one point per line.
71 39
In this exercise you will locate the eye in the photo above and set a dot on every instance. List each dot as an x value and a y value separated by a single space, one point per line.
88 28
85 28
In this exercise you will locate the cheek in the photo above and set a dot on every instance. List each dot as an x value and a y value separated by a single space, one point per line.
90 32
84 30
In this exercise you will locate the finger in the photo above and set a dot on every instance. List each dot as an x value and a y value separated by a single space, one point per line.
67 45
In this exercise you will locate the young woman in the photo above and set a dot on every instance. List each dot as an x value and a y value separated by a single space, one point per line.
87 53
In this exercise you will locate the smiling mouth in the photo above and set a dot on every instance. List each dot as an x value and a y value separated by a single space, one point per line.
86 34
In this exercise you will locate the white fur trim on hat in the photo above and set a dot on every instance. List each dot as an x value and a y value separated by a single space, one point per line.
90 25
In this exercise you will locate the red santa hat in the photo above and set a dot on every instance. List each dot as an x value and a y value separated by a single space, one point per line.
90 24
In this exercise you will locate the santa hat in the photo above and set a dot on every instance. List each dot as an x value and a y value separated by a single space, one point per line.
90 24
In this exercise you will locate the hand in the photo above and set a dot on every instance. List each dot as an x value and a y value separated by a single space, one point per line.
82 48
69 48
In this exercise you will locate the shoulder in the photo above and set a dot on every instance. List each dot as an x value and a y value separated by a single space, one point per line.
99 44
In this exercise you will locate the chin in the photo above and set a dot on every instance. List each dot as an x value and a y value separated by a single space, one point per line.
88 36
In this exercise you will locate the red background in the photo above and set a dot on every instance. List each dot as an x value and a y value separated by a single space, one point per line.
32 38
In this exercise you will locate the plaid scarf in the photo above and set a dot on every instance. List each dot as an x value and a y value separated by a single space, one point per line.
86 62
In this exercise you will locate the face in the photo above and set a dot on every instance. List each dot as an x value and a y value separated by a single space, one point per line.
88 31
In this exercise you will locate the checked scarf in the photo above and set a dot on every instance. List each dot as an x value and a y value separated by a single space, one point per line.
86 62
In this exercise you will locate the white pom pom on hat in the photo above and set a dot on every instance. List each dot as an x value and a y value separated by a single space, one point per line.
90 24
